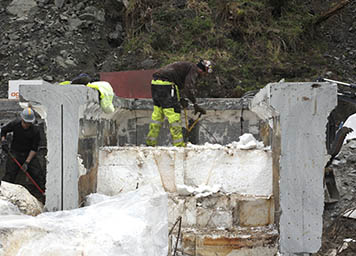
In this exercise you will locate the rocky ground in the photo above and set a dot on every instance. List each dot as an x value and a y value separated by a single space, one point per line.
339 32
56 40
339 230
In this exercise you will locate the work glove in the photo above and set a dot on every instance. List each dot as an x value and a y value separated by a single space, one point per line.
349 130
4 146
184 103
24 166
198 109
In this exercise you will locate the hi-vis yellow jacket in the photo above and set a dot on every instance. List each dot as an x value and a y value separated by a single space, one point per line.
106 94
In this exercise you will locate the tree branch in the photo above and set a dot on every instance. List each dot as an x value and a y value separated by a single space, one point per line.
332 11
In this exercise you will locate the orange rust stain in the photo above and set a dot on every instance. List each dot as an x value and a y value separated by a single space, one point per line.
235 243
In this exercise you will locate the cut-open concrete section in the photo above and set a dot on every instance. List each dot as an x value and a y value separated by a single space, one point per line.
221 193
231 201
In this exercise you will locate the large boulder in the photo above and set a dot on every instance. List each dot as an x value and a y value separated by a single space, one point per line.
18 196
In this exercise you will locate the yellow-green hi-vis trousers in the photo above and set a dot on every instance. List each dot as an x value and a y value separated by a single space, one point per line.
166 104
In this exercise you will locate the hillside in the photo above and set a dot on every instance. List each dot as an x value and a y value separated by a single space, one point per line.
251 43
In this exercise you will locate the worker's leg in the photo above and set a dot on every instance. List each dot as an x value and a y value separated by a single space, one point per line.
11 170
36 172
175 126
155 126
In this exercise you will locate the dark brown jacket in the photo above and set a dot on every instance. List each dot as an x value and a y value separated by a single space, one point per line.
183 74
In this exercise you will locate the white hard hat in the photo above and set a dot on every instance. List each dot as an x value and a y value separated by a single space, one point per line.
28 115
205 65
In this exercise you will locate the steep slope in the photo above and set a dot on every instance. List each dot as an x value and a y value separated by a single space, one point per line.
251 42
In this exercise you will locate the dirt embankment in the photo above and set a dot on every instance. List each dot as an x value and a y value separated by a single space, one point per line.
249 42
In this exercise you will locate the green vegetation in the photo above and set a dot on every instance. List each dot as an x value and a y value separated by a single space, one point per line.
249 46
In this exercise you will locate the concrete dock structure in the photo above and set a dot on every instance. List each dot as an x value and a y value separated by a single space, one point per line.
274 204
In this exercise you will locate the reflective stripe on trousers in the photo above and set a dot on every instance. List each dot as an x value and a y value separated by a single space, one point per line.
175 127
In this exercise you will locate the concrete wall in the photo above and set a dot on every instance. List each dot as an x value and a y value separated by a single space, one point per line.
232 170
225 121
60 106
303 109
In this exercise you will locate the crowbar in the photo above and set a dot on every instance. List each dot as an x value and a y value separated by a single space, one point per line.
27 174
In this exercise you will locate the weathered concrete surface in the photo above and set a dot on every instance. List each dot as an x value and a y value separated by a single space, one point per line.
220 211
60 106
303 109
222 194
270 131
234 242
246 172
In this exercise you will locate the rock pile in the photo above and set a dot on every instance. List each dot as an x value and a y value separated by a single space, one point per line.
56 40
338 228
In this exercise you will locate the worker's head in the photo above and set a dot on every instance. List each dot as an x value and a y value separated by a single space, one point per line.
205 66
81 79
28 117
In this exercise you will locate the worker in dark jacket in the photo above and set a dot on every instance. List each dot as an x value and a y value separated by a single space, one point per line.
169 86
24 146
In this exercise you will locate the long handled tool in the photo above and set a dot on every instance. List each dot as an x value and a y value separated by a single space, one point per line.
189 129
193 124
27 174
338 82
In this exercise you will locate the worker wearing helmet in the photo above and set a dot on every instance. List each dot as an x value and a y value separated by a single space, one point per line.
24 147
169 87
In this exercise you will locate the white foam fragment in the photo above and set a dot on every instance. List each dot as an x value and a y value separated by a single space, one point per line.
246 141
200 191
7 208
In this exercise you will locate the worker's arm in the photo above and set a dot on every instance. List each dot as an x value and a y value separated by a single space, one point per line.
337 143
4 145
30 156
4 130
190 89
